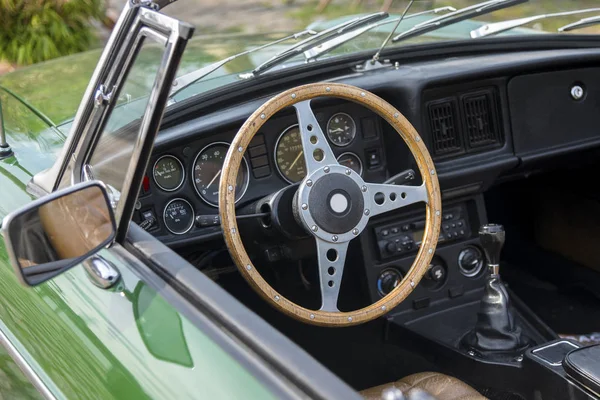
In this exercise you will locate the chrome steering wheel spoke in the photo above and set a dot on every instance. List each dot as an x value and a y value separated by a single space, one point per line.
317 152
331 259
386 198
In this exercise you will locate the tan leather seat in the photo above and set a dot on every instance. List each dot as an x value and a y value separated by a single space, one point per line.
435 385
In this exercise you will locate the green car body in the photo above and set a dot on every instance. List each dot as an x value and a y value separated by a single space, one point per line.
79 341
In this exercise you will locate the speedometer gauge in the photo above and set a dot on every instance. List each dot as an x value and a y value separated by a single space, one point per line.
289 155
178 216
206 173
168 173
341 129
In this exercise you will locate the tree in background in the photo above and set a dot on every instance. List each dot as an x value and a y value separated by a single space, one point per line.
37 30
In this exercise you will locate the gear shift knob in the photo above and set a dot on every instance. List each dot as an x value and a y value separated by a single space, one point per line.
492 237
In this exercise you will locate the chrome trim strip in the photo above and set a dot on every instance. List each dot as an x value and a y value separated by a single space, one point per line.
549 346
27 369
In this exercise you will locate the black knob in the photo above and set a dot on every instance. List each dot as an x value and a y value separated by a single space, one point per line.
388 280
436 273
391 247
470 261
492 237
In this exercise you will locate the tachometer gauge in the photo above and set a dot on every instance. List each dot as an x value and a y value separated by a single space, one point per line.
341 129
178 216
289 155
168 173
206 173
351 161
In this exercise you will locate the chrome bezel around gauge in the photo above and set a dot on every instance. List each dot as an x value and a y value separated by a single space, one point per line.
245 185
349 153
353 131
191 222
275 154
182 173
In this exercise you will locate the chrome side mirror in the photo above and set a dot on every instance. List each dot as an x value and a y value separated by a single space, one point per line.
58 231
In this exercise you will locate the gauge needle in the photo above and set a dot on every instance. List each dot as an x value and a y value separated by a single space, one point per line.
213 179
296 160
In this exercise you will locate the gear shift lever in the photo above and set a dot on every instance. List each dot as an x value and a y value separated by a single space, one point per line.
495 330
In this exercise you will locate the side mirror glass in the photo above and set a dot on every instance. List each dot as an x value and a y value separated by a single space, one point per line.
58 231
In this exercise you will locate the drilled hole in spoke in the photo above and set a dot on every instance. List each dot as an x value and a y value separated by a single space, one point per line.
332 255
331 283
331 271
403 195
314 139
318 155
393 196
379 198
309 127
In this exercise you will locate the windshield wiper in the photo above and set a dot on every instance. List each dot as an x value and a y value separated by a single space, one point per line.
186 80
457 16
314 52
582 23
497 27
316 40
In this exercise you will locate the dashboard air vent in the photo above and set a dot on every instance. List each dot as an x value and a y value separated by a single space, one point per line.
480 120
444 129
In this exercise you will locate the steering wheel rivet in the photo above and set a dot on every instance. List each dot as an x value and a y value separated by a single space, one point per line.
293 95
326 170
430 251
364 188
304 206
417 138
248 267
432 172
355 231
276 298
314 228
348 172
328 89
367 212
312 316
232 230
263 116
334 238
309 183
240 149
230 188
362 94
412 284
383 308
349 319
396 115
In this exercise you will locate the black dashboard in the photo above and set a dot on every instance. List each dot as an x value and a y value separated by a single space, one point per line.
483 117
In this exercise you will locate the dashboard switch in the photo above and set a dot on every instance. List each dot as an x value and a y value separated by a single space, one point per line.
373 158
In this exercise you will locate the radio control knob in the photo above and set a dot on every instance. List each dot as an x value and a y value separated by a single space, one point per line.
436 273
391 247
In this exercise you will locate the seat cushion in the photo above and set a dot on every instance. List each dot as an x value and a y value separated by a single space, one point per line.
435 385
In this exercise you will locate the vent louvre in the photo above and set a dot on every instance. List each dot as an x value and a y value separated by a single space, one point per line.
480 120
444 129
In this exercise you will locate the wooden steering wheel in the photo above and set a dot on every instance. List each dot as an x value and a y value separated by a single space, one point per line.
333 203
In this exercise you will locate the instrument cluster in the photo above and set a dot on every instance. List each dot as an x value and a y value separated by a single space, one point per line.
182 186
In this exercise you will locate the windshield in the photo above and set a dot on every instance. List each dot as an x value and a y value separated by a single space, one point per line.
532 18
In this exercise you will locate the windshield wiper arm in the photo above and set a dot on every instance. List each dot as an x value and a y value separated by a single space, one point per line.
314 52
582 23
475 10
186 80
497 27
315 40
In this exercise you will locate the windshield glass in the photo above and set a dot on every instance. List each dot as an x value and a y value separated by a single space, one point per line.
543 17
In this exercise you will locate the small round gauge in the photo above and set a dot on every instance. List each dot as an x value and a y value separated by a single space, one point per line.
341 129
351 161
178 216
206 173
168 173
289 155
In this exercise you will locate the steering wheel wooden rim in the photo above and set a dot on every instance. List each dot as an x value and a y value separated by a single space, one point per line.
227 203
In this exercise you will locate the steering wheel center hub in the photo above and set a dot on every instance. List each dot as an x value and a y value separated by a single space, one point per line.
332 204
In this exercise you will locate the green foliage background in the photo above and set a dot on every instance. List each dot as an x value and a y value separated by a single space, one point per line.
38 30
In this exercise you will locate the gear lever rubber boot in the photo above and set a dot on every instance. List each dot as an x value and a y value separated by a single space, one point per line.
495 330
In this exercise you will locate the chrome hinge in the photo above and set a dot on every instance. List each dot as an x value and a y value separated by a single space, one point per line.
101 272
102 97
